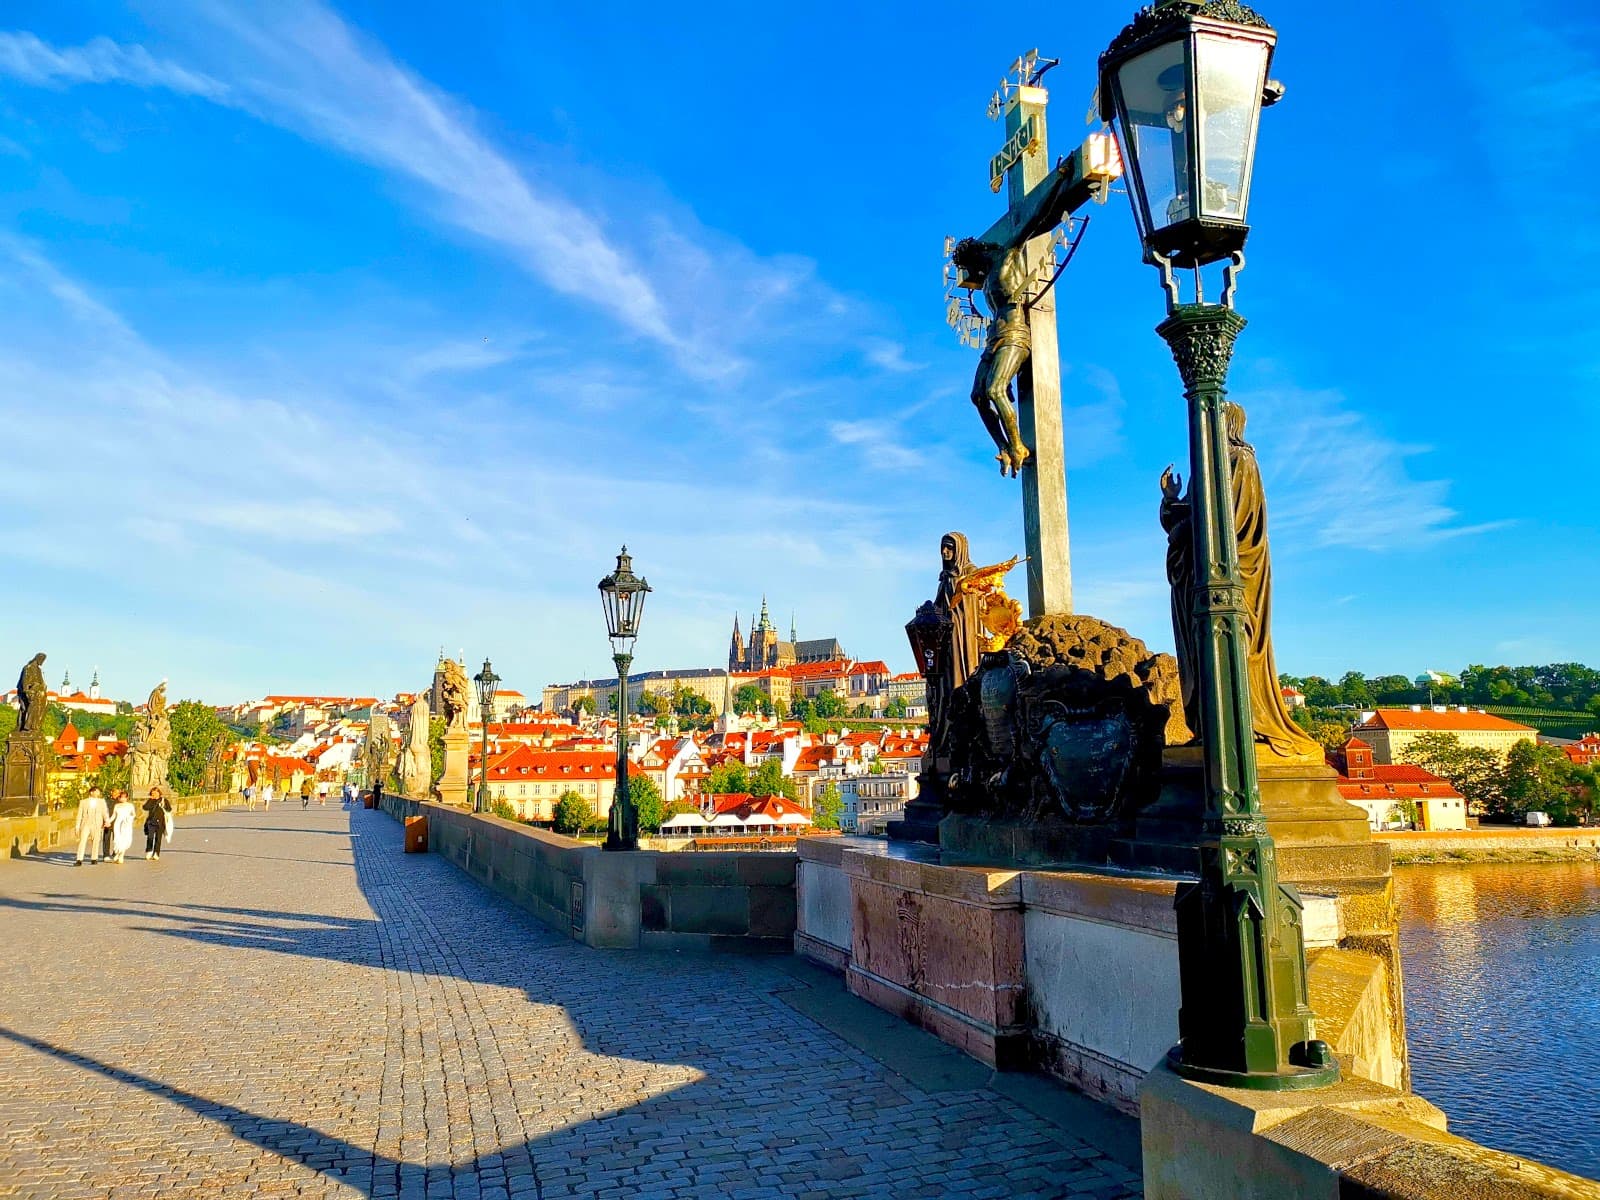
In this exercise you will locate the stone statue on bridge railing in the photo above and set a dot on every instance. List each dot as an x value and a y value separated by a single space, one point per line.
1066 724
416 761
150 748
32 696
377 754
25 765
456 694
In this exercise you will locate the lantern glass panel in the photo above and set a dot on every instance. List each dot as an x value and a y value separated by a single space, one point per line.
1155 111
1230 74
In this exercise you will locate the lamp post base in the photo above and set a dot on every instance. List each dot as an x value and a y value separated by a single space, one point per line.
1285 1080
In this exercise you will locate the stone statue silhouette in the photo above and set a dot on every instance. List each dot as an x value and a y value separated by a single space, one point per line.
33 696
959 658
456 696
1002 271
1274 729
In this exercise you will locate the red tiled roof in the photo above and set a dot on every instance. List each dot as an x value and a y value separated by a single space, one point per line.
1449 721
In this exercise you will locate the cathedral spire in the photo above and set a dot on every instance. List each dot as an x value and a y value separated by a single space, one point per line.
794 640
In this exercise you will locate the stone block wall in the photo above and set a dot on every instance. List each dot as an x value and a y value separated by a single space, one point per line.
643 899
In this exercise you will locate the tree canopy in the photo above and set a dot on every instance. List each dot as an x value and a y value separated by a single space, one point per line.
196 729
825 812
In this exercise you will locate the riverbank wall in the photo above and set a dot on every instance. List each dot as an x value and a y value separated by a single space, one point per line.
1504 844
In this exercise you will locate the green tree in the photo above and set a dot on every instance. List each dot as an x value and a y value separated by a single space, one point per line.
876 768
653 704
647 802
501 807
827 704
1353 690
8 722
436 728
776 708
726 778
195 729
584 704
573 815
115 772
1537 779
825 812
769 780
896 708
1406 809
1473 771
748 699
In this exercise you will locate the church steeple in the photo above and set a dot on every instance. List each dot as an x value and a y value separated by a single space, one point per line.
766 621
736 647
794 639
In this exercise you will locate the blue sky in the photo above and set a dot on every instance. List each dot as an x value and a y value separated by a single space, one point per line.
332 335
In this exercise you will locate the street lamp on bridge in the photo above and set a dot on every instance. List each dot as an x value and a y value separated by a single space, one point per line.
1184 85
486 680
622 596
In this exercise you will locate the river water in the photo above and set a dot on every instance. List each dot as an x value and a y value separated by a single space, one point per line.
1502 978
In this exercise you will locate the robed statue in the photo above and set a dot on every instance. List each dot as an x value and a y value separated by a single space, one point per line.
958 658
32 696
456 694
1275 732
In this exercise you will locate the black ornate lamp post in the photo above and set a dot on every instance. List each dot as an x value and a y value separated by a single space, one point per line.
1184 85
622 595
485 680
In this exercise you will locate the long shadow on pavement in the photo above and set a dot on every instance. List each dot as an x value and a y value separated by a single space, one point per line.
740 1092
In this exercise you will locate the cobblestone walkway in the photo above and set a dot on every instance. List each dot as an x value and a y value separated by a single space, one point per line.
287 1005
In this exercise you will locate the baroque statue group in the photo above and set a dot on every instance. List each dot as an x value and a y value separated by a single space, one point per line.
1066 718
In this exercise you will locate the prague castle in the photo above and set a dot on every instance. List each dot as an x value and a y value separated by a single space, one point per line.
765 652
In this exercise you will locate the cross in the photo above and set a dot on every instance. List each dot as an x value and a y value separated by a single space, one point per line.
1014 263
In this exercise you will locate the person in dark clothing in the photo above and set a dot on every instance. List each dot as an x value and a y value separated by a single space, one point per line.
155 822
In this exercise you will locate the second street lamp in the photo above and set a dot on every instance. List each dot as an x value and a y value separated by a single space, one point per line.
486 680
1184 85
622 596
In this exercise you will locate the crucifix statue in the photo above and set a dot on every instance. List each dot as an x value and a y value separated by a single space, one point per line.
1014 264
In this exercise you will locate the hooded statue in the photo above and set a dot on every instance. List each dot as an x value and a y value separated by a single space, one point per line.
960 657
1274 729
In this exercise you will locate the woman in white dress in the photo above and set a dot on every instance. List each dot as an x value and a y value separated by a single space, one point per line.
266 797
121 826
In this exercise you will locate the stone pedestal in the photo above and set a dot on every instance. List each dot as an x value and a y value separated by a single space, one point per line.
23 773
942 948
454 784
1324 842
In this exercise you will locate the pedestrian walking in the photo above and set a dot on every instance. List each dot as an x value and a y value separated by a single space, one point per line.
92 820
121 826
266 797
347 793
305 792
156 811
105 834
249 798
322 792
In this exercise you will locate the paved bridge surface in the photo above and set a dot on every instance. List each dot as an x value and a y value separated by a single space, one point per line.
286 1004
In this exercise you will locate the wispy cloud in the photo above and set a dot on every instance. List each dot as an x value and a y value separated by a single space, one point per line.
23 56
890 356
297 515
1335 479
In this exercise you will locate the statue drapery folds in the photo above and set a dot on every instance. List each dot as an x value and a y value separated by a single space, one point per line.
1274 729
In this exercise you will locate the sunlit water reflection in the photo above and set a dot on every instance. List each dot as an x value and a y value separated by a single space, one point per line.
1502 977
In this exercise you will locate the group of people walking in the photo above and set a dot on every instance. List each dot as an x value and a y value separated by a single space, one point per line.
108 832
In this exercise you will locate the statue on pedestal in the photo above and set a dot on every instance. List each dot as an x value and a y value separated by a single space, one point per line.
416 762
150 748
25 765
960 657
1276 734
457 695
